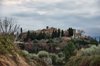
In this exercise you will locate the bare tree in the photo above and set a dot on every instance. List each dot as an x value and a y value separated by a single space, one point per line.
7 26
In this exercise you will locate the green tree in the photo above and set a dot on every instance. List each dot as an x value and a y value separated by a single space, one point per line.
58 33
69 50
41 35
62 33
53 34
33 36
70 32
28 36
21 30
20 35
99 39
47 27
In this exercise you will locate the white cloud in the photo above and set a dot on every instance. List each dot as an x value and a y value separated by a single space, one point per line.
48 1
13 2
85 8
75 13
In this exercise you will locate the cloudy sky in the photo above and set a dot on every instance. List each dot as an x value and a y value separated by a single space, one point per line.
36 14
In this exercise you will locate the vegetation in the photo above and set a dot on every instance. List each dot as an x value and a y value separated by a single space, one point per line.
69 50
42 54
7 26
93 50
56 48
86 57
70 32
6 44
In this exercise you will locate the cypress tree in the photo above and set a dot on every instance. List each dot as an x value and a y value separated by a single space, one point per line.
53 34
62 33
58 33
27 36
70 32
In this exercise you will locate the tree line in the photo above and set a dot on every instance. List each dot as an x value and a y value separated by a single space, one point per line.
42 35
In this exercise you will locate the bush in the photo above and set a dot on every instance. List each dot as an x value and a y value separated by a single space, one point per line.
84 61
93 50
86 57
69 50
95 61
54 58
6 44
24 53
42 54
61 54
2 49
60 61
34 56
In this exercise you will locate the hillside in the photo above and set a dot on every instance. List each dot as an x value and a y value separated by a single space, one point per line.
59 50
10 55
13 61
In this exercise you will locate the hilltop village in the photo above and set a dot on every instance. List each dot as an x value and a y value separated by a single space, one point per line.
45 38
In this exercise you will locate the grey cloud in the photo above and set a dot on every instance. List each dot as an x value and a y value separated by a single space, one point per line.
82 14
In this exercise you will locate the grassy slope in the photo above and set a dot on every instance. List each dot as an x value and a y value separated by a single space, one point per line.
10 55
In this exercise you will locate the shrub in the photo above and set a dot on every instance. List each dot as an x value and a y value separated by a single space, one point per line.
69 50
24 53
54 58
60 61
3 49
86 57
74 61
61 54
93 50
95 61
84 61
42 54
34 56
6 44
